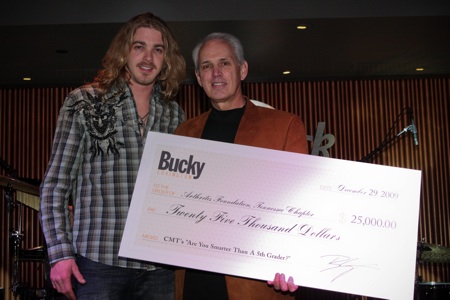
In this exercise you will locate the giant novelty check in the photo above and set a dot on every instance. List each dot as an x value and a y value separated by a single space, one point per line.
331 224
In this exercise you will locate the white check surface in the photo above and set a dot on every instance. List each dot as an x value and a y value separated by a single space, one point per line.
331 224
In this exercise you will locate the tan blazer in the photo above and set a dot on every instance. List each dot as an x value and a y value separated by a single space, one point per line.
259 127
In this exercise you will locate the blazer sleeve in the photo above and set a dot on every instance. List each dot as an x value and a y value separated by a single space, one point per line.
296 140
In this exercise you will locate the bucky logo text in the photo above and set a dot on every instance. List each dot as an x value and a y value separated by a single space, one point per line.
184 166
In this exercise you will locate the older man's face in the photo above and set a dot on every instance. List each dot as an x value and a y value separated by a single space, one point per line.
220 74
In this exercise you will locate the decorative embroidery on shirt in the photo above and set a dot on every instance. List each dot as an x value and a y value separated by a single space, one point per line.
101 120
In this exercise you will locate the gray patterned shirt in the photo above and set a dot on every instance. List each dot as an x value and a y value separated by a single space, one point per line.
95 159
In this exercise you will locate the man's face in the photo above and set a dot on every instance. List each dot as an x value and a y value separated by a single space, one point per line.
220 74
146 57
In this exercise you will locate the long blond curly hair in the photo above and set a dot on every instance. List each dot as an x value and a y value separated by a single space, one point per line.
115 59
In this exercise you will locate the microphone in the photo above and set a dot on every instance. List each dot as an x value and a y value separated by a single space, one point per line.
413 127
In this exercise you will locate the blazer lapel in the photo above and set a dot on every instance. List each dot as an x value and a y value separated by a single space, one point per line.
197 127
247 129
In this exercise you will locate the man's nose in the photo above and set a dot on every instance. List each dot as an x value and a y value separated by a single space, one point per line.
217 71
148 56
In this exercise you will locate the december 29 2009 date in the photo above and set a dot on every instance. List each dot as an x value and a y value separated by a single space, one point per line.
375 222
367 192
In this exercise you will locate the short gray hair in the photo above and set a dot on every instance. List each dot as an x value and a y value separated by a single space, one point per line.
233 41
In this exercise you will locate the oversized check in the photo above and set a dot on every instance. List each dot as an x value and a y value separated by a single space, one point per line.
331 224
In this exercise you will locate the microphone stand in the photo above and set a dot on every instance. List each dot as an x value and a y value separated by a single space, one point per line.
387 141
15 238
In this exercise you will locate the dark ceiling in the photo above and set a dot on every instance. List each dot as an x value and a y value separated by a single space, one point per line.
62 42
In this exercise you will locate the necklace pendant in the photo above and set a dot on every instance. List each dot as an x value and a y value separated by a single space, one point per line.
142 121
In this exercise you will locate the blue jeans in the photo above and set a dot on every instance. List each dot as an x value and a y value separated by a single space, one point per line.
110 283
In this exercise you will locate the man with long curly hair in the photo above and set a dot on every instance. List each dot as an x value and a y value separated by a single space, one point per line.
97 149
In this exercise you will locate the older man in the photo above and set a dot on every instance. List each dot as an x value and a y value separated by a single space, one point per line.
220 67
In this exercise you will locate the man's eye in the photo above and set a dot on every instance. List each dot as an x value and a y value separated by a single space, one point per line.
138 47
159 50
205 67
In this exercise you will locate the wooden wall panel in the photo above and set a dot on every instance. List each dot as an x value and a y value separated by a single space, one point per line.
27 123
359 113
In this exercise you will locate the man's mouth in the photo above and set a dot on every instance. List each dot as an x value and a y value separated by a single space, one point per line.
146 67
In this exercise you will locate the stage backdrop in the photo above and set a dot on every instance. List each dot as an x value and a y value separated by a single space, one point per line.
344 119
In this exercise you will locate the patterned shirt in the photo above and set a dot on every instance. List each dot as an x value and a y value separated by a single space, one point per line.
95 159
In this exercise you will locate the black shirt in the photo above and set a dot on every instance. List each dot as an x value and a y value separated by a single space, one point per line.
222 125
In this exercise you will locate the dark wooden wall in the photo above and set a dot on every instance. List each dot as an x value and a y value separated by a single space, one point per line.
358 113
